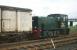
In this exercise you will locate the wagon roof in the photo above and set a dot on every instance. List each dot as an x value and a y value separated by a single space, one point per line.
14 8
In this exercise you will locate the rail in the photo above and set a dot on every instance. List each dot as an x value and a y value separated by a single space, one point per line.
39 43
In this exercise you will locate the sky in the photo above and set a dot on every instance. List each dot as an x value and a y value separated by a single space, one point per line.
45 7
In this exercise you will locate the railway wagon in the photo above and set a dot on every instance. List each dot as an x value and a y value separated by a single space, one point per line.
15 22
51 26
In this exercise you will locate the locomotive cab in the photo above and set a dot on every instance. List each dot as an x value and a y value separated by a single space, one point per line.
61 23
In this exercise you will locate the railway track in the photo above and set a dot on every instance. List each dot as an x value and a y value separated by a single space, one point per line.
37 44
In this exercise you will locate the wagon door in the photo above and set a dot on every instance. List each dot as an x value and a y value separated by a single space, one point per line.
0 19
24 21
9 21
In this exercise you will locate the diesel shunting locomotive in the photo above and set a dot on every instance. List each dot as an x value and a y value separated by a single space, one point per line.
51 26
